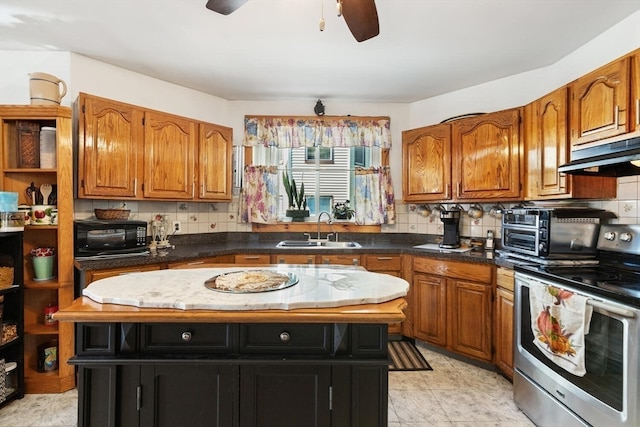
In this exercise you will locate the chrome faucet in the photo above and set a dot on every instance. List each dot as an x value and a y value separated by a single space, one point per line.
329 221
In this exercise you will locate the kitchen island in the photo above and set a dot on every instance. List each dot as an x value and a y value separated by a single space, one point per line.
314 363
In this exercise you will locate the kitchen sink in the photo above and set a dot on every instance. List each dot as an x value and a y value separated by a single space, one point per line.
317 244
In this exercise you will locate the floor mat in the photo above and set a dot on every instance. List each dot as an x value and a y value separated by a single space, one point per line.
406 357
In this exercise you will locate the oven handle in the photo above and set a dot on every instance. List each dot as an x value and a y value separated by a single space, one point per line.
613 309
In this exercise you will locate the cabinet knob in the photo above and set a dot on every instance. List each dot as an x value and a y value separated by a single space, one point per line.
285 337
186 336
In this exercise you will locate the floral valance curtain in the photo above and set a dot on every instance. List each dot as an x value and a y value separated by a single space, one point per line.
322 131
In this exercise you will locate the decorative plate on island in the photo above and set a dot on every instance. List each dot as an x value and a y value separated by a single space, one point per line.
251 281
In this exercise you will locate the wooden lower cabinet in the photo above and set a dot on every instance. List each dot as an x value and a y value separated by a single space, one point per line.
232 375
504 309
156 395
385 264
93 275
452 306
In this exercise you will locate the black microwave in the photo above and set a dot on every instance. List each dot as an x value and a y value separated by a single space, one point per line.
103 238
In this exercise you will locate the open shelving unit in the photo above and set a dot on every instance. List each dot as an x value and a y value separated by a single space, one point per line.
59 290
12 350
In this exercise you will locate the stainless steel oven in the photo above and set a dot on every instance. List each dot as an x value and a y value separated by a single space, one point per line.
607 394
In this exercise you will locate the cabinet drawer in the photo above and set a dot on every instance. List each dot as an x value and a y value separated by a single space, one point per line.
186 338
252 259
505 278
96 339
454 269
285 338
383 262
293 259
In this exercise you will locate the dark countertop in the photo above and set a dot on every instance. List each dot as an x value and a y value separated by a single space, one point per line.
194 246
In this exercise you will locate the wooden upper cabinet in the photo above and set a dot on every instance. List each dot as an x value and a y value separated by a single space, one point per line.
215 145
129 152
600 105
169 147
426 163
635 90
107 153
549 143
486 157
547 148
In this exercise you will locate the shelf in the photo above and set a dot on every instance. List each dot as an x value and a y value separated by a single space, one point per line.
29 170
35 295
40 227
10 289
45 284
40 329
9 343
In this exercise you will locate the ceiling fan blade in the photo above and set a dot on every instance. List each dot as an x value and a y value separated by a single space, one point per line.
361 17
224 7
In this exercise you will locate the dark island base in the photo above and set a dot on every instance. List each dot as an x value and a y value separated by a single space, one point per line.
235 375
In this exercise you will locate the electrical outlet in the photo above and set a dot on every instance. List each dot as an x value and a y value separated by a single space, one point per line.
177 227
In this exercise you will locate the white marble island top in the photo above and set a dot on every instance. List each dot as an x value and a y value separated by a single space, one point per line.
184 289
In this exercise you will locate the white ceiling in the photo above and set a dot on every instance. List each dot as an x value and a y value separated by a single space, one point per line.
273 49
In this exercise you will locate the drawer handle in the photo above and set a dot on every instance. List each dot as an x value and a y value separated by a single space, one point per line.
285 337
186 336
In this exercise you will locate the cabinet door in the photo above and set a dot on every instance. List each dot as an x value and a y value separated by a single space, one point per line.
430 312
188 395
386 264
548 148
169 147
486 156
285 395
109 133
504 331
548 144
469 305
600 103
426 163
108 395
214 162
635 91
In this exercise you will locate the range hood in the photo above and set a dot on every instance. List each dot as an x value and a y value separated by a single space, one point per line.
606 159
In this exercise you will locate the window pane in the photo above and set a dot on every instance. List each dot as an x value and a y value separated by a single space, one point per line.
327 173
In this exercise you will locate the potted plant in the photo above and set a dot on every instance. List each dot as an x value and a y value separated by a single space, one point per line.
341 210
297 202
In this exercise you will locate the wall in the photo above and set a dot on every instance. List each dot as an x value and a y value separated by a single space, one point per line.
94 77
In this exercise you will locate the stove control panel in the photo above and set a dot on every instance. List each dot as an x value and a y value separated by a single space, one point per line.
620 238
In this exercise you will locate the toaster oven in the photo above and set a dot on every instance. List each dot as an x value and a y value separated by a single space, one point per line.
569 233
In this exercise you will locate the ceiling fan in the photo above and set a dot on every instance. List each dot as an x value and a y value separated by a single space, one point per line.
361 16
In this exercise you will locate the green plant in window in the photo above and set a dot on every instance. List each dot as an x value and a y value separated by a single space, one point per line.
341 210
295 196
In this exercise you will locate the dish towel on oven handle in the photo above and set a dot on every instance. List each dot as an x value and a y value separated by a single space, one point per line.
560 320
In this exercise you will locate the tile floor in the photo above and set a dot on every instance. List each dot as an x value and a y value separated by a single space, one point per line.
454 394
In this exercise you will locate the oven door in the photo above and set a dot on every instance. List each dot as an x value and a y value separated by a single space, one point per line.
520 239
606 394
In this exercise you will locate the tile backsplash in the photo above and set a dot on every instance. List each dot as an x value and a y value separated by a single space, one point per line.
197 218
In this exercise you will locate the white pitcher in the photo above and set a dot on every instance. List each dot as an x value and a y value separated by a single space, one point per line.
46 89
